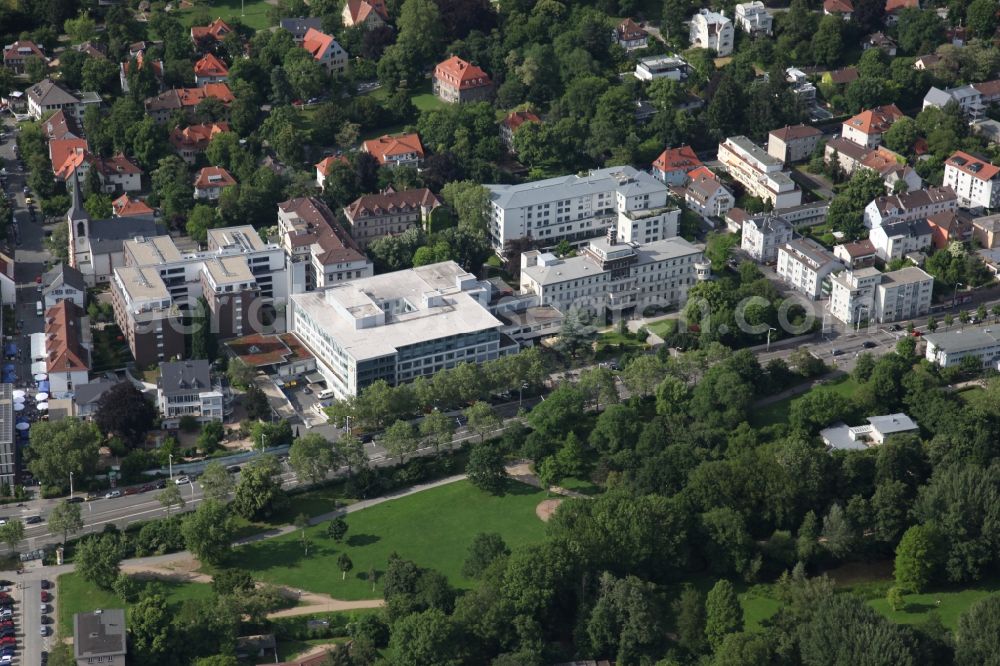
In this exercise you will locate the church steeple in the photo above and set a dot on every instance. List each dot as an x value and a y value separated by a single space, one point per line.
76 210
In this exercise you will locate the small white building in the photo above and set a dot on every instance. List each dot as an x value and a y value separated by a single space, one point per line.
754 19
895 240
762 236
975 180
866 128
706 195
186 388
805 265
64 283
948 348
670 67
712 30
841 437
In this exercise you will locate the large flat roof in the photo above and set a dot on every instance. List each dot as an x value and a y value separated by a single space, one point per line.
101 633
582 266
152 251
956 342
142 283
229 270
454 312
566 187
905 276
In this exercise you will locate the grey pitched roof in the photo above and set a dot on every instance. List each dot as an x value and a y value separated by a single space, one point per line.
64 274
107 236
185 376
890 423
48 92
768 223
91 392
76 210
300 26
915 228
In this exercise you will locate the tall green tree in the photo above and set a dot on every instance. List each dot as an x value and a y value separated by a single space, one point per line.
66 518
917 558
60 447
312 457
259 492
486 469
209 532
97 559
723 613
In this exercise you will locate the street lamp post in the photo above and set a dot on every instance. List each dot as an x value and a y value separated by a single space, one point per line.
954 296
71 484
769 329
170 462
263 437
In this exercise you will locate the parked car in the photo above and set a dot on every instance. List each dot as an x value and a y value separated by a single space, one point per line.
43 630
132 491
45 584
181 480
46 596
868 344
74 500
32 520
45 608
917 334
146 488
46 619
161 484
112 494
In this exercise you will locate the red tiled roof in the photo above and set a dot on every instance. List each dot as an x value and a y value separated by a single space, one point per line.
216 30
61 149
387 146
973 166
862 248
630 31
360 10
22 49
896 5
71 163
63 349
838 6
113 165
322 228
209 65
140 61
259 351
126 206
677 159
700 172
316 42
515 119
793 132
389 203
461 74
877 120
210 177
327 162
179 98
197 137
844 76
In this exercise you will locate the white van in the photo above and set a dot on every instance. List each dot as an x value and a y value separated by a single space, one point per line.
324 395
39 309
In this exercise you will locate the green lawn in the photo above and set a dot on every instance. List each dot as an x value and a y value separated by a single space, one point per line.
663 328
948 604
973 396
75 595
426 101
433 528
252 14
582 486
611 343
777 412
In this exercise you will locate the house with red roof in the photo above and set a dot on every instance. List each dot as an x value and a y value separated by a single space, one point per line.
79 160
126 206
509 125
185 99
458 81
841 8
399 150
368 14
140 62
948 226
210 182
894 7
324 166
215 31
60 151
325 51
67 347
673 165
210 70
706 195
16 55
194 139
867 128
976 181
630 35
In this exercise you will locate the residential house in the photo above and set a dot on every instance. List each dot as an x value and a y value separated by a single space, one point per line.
974 100
280 355
210 181
67 347
866 294
215 31
161 107
126 206
866 128
326 51
87 397
300 26
735 219
712 30
842 8
803 90
399 150
908 206
194 139
948 348
99 637
894 240
754 19
894 7
325 165
509 125
760 174
671 67
457 81
321 253
47 95
67 154
117 174
841 437
879 40
630 35
793 143
140 61
16 55
706 195
674 164
763 234
374 216
64 283
926 62
613 279
61 125
859 254
368 14
893 168
186 388
975 180
210 69
986 231
949 226
805 265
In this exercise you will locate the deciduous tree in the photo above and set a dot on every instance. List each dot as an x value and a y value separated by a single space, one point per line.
124 412
209 532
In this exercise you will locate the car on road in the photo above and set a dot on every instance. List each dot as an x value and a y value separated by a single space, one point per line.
868 344
46 619
836 352
161 484
28 201
74 500
6 583
45 584
112 493
32 520
3 521
146 488
26 190
181 480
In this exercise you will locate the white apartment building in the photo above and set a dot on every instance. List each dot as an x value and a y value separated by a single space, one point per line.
894 240
577 208
398 326
975 181
613 279
948 348
762 236
754 19
760 174
868 295
805 265
671 67
320 251
910 206
185 388
712 30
